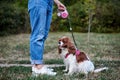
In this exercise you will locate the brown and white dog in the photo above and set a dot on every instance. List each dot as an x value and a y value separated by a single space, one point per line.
75 60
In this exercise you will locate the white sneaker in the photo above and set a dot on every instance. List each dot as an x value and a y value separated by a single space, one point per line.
50 69
43 70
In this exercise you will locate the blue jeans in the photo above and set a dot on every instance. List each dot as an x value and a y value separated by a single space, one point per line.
40 12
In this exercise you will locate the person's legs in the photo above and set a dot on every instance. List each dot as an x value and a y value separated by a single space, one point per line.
40 19
38 23
49 17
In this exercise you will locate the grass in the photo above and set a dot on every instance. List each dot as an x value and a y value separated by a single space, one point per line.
24 73
103 50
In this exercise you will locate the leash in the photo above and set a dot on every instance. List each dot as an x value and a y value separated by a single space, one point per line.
70 29
64 15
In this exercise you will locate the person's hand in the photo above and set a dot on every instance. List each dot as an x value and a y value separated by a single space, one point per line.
60 6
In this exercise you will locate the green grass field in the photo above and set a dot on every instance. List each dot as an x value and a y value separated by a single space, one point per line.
103 50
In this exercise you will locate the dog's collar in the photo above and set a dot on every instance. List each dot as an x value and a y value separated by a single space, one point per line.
77 52
67 55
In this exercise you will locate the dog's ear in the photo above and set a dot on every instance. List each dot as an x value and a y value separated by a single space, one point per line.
72 49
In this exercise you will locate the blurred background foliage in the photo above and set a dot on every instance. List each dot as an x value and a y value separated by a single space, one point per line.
105 16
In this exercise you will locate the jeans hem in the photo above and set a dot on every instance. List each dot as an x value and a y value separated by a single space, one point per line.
36 62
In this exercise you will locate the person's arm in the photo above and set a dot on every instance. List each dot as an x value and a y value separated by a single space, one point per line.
59 5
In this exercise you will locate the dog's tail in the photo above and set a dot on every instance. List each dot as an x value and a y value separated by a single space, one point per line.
100 69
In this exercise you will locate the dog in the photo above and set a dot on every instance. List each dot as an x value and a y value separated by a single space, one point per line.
75 61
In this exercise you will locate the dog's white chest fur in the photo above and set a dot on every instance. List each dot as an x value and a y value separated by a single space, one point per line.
69 59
